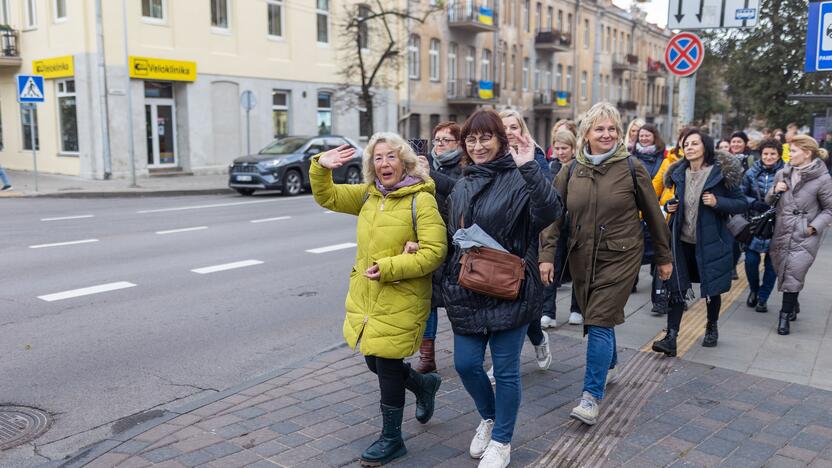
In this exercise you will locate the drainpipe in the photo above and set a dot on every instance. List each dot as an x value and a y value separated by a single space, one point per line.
103 91
596 61
407 76
575 21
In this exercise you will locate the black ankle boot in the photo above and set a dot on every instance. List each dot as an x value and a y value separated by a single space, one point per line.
783 326
424 386
794 312
711 335
390 445
752 299
667 345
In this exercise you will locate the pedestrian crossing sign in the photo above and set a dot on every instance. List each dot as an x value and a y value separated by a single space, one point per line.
29 88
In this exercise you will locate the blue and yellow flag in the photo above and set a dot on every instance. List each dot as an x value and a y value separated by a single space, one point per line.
486 90
562 98
486 15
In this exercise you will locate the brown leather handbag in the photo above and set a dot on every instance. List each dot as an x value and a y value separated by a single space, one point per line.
492 272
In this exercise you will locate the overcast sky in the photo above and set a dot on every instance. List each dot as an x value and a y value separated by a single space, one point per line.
656 9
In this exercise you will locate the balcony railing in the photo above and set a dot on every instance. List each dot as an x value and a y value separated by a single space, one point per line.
624 62
655 68
628 105
552 40
552 100
472 16
473 92
9 53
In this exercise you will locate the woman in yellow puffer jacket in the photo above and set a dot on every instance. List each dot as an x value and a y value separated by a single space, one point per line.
401 241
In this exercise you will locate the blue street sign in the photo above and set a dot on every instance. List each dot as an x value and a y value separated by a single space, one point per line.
819 36
29 88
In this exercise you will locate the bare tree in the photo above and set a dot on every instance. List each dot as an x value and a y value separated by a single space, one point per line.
369 52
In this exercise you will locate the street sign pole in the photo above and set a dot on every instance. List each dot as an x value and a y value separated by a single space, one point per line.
687 99
30 90
248 131
248 101
671 133
32 142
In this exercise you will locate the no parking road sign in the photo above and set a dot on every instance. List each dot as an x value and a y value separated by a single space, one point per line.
684 54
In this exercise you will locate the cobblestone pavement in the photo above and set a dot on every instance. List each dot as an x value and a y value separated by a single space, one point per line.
659 412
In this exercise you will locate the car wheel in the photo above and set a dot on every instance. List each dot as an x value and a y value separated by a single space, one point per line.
246 192
353 176
292 183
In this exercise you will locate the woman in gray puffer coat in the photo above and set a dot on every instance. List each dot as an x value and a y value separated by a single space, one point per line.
803 212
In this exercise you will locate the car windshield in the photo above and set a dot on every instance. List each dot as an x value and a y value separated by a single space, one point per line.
284 146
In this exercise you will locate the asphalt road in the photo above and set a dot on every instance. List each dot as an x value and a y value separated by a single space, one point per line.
151 333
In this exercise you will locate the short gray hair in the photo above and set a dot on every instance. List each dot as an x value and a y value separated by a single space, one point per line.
600 111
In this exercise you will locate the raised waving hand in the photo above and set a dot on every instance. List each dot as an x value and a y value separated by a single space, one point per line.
335 158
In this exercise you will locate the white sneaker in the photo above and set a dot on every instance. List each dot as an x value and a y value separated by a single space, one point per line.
543 354
548 322
576 319
482 438
587 410
490 375
496 455
612 377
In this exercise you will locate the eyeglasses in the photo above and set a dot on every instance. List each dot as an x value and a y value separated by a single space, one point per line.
443 141
483 140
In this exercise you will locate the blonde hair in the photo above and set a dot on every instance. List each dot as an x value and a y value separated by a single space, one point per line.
565 125
638 122
524 129
566 137
809 145
601 110
402 149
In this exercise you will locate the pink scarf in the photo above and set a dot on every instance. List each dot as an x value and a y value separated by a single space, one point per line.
406 182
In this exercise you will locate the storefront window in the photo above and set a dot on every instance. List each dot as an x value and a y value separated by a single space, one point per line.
280 113
324 113
27 125
67 116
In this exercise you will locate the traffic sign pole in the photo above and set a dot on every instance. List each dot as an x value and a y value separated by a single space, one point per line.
32 140
248 101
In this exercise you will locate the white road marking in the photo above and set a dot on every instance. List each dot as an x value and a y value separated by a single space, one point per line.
61 244
266 220
332 248
68 217
86 291
226 266
174 231
215 205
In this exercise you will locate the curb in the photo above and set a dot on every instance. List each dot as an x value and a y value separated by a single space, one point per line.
129 194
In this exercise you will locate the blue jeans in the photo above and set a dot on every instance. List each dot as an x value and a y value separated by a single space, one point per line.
431 325
752 272
469 354
3 177
601 356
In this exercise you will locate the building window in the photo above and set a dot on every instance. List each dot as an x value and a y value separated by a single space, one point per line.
525 74
569 25
153 9
586 34
275 14
583 84
560 21
323 21
539 14
609 39
27 125
413 54
67 116
504 70
60 10
548 77
485 65
219 14
415 125
452 51
527 11
363 28
536 76
434 121
569 79
602 39
31 14
512 71
470 64
434 60
280 113
324 113
559 77
4 11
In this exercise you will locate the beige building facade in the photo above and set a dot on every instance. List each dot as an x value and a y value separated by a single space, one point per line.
189 62
547 59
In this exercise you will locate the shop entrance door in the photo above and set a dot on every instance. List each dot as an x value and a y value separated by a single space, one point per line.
160 122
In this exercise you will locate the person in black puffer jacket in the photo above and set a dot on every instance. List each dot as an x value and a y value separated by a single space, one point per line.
503 192
445 169
756 183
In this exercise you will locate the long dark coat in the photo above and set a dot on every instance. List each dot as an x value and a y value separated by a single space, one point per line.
606 243
809 203
445 178
714 243
512 205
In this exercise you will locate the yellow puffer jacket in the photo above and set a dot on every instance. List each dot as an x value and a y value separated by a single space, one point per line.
387 316
665 194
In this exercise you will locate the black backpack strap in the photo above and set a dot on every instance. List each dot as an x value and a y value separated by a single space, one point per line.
633 175
413 215
365 197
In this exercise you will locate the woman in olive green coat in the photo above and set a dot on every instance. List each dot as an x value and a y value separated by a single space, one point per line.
401 241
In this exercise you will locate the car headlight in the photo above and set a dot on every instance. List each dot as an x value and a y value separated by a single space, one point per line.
273 163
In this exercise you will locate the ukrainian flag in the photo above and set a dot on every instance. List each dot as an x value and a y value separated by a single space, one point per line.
486 90
486 15
562 98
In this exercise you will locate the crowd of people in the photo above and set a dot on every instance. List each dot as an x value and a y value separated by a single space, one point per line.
489 224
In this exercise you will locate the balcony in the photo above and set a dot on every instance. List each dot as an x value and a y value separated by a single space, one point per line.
9 53
472 17
552 40
552 100
627 105
472 92
624 62
655 68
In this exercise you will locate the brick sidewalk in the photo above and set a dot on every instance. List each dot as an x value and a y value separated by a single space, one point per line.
661 412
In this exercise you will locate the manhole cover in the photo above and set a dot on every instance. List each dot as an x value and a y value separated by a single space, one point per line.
19 425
